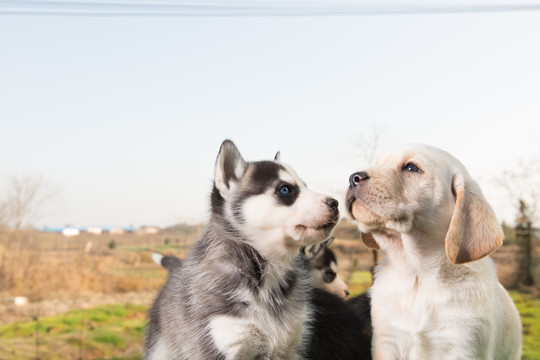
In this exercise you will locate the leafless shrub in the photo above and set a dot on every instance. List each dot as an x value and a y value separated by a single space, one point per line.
24 201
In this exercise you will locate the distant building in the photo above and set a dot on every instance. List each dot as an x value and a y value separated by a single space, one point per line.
150 230
69 232
95 230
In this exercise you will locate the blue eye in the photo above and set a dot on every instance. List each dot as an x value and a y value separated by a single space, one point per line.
284 189
411 167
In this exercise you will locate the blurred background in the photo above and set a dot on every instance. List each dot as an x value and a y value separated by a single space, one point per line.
112 114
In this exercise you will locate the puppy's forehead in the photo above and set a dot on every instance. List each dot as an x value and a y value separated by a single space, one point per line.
264 171
287 174
426 154
265 174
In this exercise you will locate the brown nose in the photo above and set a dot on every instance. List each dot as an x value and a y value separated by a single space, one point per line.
332 203
356 178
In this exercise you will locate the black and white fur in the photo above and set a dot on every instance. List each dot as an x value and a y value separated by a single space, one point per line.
341 328
324 266
243 291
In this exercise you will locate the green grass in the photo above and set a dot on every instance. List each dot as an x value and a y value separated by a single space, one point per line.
529 308
106 332
111 332
359 282
109 337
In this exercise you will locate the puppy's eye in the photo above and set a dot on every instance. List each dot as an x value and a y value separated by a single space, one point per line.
329 276
285 189
411 167
286 194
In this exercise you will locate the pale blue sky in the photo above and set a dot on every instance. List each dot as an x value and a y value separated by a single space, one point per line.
124 116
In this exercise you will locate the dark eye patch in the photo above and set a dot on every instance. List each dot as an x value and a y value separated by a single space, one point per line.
287 193
329 275
260 177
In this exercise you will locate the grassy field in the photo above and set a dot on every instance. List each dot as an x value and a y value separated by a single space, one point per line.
529 308
116 331
86 300
105 332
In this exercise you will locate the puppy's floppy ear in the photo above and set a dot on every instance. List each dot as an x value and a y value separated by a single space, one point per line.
474 231
230 167
370 242
277 157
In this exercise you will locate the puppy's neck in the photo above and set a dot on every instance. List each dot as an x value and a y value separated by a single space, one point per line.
417 252
269 243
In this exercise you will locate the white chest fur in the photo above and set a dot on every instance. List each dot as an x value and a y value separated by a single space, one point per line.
244 338
449 313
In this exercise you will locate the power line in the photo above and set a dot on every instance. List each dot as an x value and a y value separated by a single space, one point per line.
252 9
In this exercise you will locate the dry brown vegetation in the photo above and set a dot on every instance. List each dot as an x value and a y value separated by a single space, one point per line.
40 265
48 267
44 266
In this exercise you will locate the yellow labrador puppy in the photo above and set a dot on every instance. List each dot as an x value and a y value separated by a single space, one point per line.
436 294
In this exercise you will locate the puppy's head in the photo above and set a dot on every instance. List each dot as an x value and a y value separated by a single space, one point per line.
269 204
417 189
323 264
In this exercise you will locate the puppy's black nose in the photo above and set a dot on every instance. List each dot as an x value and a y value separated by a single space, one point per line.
333 203
357 178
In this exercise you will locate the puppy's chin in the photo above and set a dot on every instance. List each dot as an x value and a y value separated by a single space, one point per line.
305 236
313 230
367 219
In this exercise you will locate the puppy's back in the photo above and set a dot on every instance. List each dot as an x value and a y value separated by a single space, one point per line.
341 329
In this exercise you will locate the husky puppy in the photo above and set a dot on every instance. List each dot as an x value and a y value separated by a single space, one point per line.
243 291
341 328
323 264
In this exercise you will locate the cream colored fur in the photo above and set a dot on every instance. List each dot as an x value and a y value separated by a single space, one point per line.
436 294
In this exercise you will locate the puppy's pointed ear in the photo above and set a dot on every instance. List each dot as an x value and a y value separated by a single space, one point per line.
474 231
328 241
312 250
277 157
370 242
230 167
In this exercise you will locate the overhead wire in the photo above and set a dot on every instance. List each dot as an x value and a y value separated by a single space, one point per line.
263 9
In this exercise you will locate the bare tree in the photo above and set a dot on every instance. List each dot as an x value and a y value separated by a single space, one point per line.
368 145
24 201
2 214
522 184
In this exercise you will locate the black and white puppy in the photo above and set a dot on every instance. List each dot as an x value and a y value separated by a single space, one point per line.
341 328
243 291
324 266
